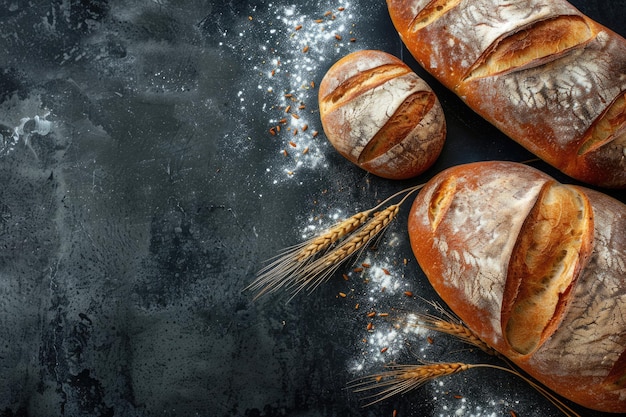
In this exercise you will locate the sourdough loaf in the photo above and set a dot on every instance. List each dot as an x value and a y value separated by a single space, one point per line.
380 115
535 268
542 72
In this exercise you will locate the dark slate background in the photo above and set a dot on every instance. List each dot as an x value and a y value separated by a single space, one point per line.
142 190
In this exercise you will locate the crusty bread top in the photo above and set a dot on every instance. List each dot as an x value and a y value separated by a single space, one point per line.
541 71
349 77
381 115
463 227
568 112
460 34
484 233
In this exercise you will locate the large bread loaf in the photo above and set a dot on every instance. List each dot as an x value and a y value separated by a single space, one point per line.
535 268
542 72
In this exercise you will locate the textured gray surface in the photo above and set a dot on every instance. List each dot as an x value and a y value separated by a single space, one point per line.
130 224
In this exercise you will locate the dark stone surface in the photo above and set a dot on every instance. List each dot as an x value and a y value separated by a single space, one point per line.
142 192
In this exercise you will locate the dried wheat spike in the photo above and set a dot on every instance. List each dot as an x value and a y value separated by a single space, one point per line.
449 324
401 379
332 235
323 267
308 264
370 230
287 268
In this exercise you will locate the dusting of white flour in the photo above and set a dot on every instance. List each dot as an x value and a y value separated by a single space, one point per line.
298 48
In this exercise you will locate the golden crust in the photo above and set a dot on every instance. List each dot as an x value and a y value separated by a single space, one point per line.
540 71
380 115
469 229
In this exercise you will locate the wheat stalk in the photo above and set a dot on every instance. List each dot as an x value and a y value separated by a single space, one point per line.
292 261
453 326
401 379
308 264
323 267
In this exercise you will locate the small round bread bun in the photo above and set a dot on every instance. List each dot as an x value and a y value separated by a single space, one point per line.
380 115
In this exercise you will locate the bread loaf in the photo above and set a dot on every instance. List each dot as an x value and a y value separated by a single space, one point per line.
542 72
380 115
536 268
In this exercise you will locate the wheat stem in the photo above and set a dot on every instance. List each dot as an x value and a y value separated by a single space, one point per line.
558 403
307 265
401 379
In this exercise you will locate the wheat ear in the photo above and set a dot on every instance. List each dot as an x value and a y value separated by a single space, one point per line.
323 267
400 379
332 235
292 261
450 324
308 264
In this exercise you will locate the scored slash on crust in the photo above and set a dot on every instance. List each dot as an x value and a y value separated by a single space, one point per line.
542 42
611 125
360 83
398 127
433 11
553 246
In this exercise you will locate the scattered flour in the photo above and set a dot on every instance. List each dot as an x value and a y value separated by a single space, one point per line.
297 50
